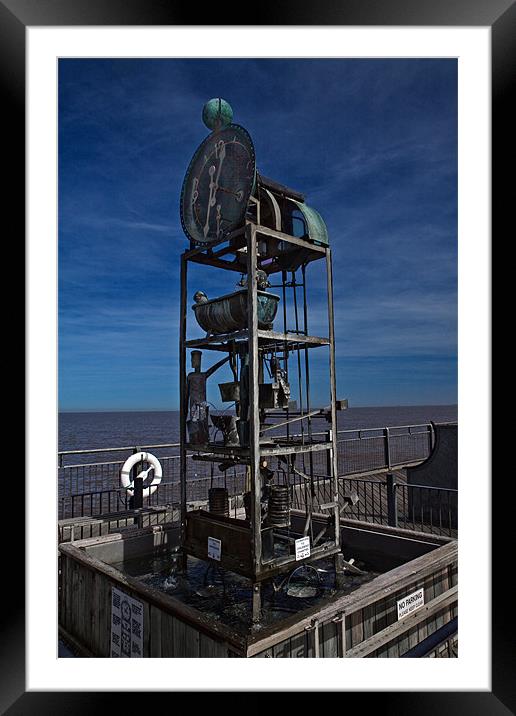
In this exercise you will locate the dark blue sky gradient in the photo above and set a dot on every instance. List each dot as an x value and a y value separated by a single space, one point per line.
371 143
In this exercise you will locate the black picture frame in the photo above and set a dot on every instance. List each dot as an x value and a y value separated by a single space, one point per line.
15 17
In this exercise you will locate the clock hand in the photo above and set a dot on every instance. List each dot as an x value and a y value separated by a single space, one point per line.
220 153
211 172
195 191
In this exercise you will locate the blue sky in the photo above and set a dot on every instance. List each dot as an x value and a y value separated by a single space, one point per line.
371 143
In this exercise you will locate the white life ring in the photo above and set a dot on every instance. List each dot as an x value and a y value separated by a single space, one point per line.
125 473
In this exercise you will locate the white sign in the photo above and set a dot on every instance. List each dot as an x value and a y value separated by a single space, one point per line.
410 603
214 548
126 625
302 548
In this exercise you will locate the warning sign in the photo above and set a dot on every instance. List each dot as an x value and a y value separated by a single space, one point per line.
302 548
410 603
214 548
126 625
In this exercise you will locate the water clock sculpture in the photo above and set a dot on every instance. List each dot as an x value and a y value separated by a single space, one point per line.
264 234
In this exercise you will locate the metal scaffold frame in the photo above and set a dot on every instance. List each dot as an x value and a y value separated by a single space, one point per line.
245 555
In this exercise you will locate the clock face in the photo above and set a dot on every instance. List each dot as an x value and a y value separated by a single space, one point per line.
218 184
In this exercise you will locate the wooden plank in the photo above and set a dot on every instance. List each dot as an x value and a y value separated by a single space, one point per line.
391 610
344 637
393 648
209 648
384 585
429 595
380 620
82 624
441 585
95 613
368 615
166 602
90 597
167 635
329 637
146 630
68 592
395 630
179 644
191 642
402 643
104 616
298 646
356 628
76 645
155 631
281 651
62 604
412 638
73 602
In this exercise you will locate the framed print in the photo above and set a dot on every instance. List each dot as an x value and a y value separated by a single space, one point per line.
106 95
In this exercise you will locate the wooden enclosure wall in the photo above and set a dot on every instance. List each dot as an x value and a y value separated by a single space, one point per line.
367 618
85 615
373 630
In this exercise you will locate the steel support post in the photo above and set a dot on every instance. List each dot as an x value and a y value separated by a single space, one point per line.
257 603
183 407
254 412
333 394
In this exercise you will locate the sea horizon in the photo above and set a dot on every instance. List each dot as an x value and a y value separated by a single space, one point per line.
90 429
176 410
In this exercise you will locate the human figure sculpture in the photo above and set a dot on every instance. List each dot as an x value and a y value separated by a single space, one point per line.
198 408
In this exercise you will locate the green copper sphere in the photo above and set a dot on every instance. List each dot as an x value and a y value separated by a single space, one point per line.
217 113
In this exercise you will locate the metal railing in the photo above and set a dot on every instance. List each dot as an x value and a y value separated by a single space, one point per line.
93 488
386 501
361 450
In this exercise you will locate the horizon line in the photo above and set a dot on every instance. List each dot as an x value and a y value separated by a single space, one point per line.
176 410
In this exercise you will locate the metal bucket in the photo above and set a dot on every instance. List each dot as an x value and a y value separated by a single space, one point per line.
227 426
229 392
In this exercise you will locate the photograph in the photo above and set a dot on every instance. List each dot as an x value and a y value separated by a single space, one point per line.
257 319
257 306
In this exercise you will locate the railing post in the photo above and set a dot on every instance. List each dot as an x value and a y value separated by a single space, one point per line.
138 493
392 503
387 447
431 438
329 454
136 501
